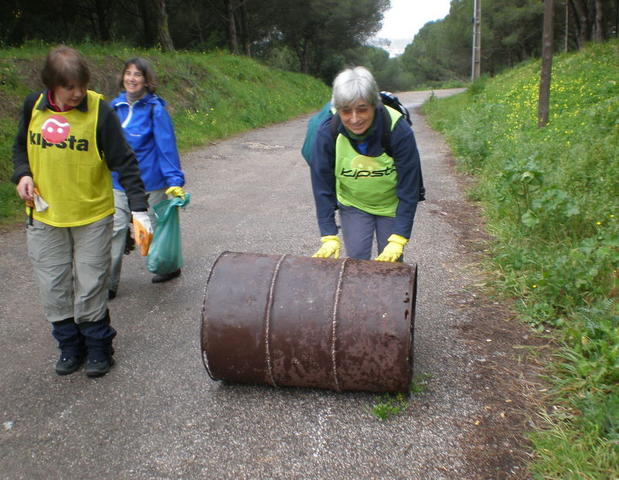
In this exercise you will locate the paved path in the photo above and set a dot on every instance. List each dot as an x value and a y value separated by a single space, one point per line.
158 415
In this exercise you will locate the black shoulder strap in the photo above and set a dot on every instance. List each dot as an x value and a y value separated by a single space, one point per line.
336 121
385 139
386 144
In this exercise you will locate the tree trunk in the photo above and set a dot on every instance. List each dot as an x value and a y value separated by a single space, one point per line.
582 20
544 85
144 7
198 28
573 24
102 9
163 31
304 57
598 26
233 39
244 26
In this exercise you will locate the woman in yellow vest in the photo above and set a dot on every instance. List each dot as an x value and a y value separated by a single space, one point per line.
376 193
68 142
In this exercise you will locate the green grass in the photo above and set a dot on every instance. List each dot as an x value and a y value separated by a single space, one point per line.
11 208
389 405
210 95
550 198
392 404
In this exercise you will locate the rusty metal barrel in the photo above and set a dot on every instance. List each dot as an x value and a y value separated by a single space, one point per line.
309 322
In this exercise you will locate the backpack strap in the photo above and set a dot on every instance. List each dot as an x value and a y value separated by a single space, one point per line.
336 121
385 139
386 144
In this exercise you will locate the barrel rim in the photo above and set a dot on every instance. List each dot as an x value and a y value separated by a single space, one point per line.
411 343
204 320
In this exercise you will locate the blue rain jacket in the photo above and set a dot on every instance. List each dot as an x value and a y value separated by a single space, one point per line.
149 131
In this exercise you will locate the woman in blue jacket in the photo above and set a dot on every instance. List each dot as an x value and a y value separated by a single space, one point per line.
149 131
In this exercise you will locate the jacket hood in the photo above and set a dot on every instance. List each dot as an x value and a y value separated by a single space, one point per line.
149 98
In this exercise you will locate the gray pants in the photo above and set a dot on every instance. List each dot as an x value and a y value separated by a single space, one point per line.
71 265
359 228
122 219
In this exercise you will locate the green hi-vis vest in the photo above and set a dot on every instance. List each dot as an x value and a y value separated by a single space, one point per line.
66 166
366 183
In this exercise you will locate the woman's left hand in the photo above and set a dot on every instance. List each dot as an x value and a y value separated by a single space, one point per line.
176 192
393 250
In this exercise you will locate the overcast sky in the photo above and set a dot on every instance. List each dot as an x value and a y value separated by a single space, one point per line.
405 17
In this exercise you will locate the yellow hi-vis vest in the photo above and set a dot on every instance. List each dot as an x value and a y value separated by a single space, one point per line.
66 166
363 182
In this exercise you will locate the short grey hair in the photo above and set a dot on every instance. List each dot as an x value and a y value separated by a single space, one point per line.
352 85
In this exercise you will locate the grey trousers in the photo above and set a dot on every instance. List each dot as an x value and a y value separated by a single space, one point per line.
122 219
72 265
359 228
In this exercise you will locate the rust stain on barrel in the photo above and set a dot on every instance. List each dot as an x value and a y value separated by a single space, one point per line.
309 322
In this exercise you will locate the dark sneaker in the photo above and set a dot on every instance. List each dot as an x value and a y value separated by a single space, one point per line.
98 368
166 277
111 294
68 365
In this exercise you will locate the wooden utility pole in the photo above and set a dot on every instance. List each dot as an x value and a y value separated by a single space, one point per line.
476 60
547 49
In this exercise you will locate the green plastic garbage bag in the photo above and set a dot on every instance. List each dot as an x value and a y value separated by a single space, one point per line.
166 254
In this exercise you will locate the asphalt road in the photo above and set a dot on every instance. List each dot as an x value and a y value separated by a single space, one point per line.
157 415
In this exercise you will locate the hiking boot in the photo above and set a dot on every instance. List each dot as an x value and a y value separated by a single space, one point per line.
68 365
166 277
71 344
98 368
98 338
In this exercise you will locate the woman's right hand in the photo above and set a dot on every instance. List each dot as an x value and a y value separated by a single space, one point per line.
330 247
25 188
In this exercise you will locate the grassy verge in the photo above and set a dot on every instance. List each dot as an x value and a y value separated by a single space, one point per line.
550 199
210 95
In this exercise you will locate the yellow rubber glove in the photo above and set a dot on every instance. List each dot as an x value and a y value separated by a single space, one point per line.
393 250
330 247
176 192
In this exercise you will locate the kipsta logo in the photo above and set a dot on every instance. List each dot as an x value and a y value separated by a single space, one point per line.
55 129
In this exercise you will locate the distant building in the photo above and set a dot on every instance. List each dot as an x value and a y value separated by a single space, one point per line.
394 47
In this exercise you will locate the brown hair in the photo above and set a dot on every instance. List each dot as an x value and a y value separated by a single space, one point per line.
144 66
65 66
